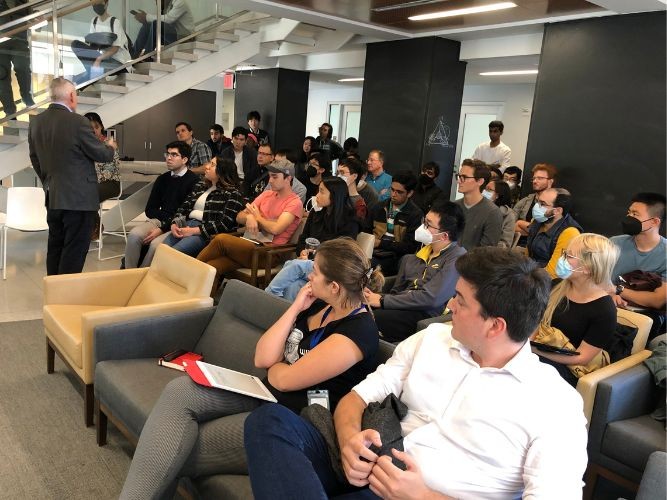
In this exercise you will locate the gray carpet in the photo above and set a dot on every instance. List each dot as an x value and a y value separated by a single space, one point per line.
46 452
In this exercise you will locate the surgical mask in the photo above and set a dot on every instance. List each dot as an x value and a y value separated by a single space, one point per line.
563 268
423 235
99 8
540 213
487 194
313 205
632 225
511 184
311 171
344 177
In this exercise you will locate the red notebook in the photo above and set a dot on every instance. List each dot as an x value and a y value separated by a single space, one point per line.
178 359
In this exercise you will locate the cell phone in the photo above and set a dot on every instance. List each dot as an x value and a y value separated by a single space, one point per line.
320 397
111 133
554 349
174 354
133 12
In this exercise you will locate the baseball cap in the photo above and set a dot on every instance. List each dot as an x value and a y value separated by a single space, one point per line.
281 167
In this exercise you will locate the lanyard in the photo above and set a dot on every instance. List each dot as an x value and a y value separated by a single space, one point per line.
317 334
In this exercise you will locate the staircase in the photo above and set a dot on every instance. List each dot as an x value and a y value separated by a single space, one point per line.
126 95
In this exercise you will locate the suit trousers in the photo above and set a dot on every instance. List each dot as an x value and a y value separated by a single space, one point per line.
69 239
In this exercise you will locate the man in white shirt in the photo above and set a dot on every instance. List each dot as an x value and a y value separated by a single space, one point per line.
97 59
494 153
177 22
485 418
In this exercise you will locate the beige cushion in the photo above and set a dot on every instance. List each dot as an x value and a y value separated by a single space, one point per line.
63 326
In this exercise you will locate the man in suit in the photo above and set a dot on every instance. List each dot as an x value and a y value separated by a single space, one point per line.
63 149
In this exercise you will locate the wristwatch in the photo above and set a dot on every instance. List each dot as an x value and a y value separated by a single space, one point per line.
619 289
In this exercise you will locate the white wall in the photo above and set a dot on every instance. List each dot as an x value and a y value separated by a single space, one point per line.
518 101
319 98
224 102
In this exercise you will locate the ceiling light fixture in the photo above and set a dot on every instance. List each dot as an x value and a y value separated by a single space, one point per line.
462 12
505 73
351 80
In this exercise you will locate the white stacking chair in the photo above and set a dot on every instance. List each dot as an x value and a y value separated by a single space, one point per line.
25 212
122 233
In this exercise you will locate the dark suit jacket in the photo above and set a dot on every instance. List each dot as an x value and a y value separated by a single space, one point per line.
63 150
251 170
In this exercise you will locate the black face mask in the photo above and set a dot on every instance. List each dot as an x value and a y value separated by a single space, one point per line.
311 171
99 8
425 180
632 225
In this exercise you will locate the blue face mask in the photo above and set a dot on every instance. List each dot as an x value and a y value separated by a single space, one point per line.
487 194
563 268
540 213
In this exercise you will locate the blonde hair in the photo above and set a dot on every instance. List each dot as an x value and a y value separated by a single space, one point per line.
598 255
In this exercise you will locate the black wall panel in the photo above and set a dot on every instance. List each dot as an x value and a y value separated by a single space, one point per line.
412 91
599 113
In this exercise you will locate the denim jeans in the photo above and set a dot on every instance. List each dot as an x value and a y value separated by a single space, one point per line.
190 245
288 458
291 279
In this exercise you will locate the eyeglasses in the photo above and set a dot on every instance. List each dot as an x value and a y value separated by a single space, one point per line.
172 155
564 253
429 226
463 178
541 178
262 153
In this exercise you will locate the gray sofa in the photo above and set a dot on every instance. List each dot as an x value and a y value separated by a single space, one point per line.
622 433
128 380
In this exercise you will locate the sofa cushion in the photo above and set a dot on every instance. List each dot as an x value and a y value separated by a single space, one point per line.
63 324
131 388
646 435
227 486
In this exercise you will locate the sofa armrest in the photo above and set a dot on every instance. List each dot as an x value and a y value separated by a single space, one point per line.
150 337
626 394
90 320
588 384
103 288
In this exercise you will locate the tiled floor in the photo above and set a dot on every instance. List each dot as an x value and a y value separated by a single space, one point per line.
21 292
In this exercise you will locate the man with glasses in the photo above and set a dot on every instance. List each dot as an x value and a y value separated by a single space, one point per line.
265 157
552 228
394 224
643 248
245 159
169 191
544 175
200 155
484 220
425 280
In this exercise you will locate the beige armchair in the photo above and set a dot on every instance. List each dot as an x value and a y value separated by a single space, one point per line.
74 304
587 385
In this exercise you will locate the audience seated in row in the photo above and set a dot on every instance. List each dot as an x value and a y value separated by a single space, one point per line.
499 192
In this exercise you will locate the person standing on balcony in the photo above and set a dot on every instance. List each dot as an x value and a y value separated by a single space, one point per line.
177 22
63 152
98 58
14 51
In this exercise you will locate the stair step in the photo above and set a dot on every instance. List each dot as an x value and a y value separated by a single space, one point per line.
95 101
107 87
218 35
177 54
134 77
16 124
146 67
11 139
190 46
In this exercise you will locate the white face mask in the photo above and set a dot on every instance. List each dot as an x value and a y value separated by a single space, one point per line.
344 177
511 184
423 235
487 194
313 205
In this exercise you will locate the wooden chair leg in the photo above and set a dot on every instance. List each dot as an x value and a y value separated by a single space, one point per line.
590 478
88 404
100 424
50 357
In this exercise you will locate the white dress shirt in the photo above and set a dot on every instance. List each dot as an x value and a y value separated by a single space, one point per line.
500 155
484 432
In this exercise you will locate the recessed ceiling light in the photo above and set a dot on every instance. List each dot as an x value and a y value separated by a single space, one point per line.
462 12
351 80
504 73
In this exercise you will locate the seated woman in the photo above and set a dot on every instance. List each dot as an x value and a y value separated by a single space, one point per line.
332 216
210 209
499 192
108 174
326 340
580 307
